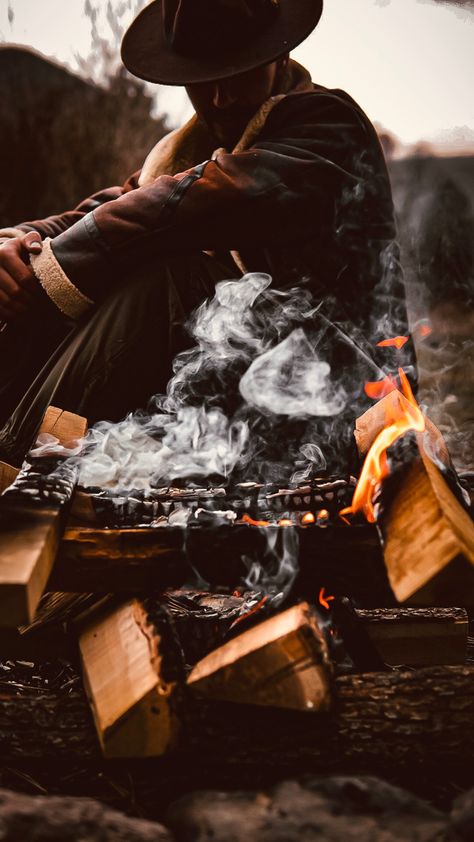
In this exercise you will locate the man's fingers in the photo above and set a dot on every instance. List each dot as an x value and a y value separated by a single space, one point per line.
32 242
15 267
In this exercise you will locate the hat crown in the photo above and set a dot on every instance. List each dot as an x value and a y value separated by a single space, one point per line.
192 26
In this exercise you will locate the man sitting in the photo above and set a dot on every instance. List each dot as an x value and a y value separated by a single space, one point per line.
272 174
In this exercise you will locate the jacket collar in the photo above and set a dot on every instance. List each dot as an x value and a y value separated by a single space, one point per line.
191 144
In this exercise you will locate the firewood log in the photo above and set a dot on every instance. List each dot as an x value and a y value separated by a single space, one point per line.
428 535
66 426
342 559
378 721
281 662
418 636
131 699
33 511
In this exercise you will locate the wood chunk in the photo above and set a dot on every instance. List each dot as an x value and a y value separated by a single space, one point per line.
8 474
428 541
131 702
66 426
33 511
28 545
418 636
428 535
369 425
282 662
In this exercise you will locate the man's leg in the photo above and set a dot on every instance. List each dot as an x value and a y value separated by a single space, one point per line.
121 356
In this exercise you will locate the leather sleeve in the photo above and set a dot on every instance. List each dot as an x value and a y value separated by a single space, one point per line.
307 159
51 226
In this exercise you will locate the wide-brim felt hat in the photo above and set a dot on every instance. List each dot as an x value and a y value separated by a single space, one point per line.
180 42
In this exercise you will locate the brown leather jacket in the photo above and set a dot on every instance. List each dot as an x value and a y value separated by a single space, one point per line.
308 200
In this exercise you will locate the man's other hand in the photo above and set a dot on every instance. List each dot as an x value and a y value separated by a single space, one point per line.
17 279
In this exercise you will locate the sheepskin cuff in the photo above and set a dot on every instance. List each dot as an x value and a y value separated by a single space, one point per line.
62 292
9 233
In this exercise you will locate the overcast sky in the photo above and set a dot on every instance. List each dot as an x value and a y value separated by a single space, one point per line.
409 63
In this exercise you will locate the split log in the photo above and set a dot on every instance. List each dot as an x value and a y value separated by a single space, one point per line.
377 720
418 636
122 660
33 511
428 535
281 662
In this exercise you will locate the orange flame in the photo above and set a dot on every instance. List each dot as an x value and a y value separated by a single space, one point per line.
395 342
322 515
323 599
308 517
379 388
375 467
285 521
252 522
250 612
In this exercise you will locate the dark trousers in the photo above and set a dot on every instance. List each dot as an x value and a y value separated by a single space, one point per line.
111 362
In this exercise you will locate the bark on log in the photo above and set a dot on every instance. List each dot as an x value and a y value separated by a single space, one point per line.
400 719
418 636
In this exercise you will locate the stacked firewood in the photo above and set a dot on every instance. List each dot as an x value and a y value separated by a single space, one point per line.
168 623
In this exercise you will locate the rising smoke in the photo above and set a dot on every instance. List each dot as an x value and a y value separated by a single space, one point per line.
258 392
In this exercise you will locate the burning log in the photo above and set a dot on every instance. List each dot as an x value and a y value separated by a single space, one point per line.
428 535
282 662
124 675
33 512
345 560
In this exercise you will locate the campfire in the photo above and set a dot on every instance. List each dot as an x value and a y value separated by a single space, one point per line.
196 565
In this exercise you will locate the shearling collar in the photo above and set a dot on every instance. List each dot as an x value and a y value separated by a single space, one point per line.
191 144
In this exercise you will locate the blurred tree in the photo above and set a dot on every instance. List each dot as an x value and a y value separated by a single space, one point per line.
446 246
61 137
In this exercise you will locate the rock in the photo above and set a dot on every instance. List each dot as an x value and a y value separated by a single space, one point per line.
25 818
462 816
331 809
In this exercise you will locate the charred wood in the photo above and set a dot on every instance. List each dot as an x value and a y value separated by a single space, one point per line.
342 559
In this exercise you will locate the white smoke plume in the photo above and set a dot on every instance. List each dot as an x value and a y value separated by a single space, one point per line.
253 360
290 380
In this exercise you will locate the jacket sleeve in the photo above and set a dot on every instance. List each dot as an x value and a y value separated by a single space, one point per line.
51 226
295 177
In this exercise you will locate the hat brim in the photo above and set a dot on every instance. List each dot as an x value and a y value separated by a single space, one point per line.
147 54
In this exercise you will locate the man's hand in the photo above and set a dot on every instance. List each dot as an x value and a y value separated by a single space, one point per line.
17 279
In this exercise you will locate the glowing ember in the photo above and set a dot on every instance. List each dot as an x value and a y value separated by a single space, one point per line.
322 516
375 468
308 517
252 522
285 521
380 388
323 599
249 613
424 331
395 342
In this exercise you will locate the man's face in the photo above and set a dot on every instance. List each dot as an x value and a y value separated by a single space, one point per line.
226 106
